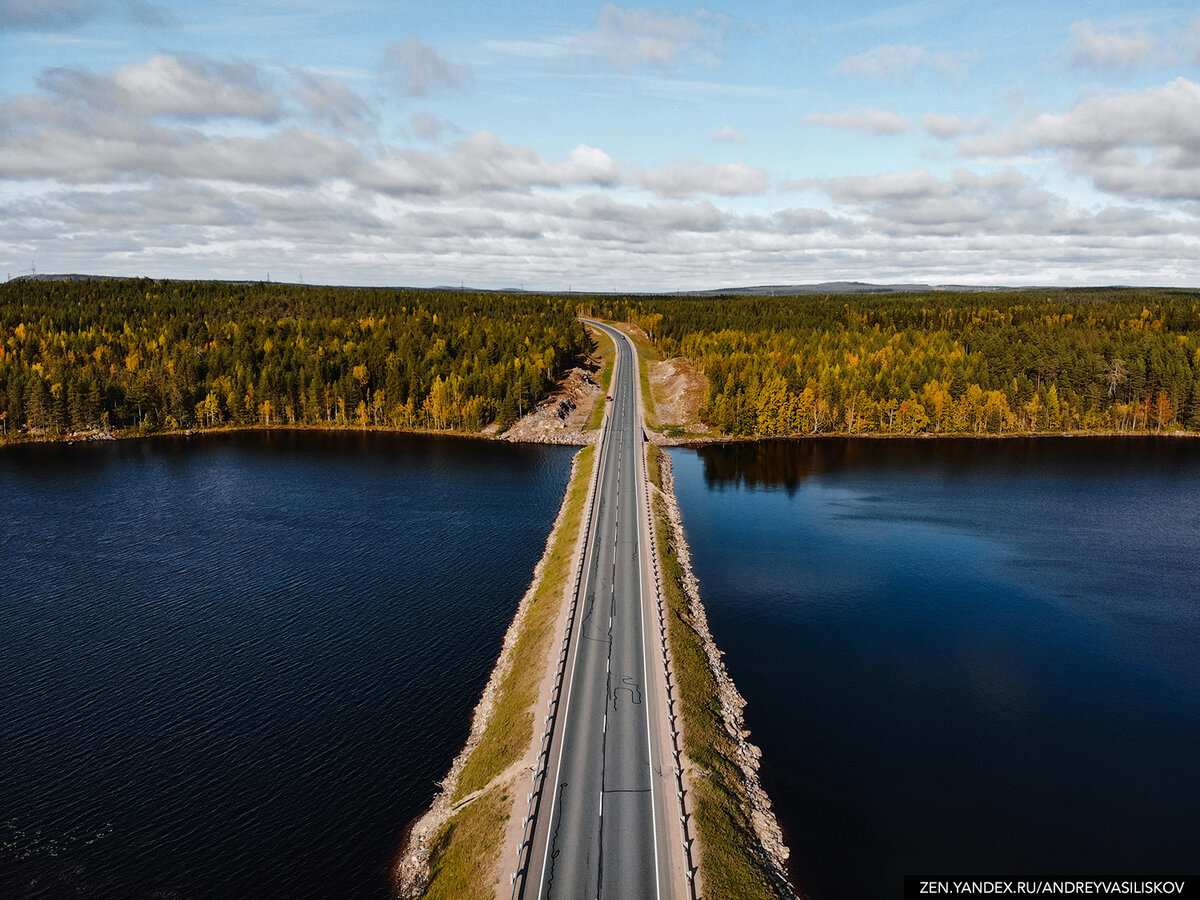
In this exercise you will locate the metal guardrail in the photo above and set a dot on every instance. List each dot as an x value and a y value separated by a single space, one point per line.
541 766
690 866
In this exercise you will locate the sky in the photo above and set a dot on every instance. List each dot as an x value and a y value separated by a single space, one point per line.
597 146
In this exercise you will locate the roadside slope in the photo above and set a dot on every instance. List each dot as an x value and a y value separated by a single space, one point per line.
454 849
742 851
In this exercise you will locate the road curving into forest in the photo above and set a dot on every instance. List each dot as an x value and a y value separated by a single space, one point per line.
606 816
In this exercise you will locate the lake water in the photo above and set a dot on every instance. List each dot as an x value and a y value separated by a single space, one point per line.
235 666
961 657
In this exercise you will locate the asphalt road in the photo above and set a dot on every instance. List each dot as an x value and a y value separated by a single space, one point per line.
599 830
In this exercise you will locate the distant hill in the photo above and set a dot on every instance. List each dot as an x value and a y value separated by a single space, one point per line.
840 287
824 287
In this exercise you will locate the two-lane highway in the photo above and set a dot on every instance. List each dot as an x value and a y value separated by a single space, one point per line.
599 828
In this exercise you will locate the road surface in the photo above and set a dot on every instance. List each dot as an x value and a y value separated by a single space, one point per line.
603 823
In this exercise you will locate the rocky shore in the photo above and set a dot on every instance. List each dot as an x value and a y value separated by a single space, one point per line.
772 850
411 871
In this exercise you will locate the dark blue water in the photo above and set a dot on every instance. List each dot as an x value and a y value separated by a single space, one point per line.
234 667
961 657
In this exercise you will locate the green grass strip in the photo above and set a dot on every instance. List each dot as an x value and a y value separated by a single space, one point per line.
465 851
607 352
728 866
510 728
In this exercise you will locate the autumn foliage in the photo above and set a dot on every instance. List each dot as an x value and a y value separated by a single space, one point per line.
936 363
147 355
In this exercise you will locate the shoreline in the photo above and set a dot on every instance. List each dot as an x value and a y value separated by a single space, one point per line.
769 851
574 439
425 843
662 440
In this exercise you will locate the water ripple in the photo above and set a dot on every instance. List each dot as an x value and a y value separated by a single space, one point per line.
235 667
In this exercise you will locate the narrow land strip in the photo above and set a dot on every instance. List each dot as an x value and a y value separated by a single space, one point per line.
454 850
461 847
741 849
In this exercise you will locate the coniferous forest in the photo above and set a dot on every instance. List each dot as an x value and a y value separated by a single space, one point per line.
144 356
1031 361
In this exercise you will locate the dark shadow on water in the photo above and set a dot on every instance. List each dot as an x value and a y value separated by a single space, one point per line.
785 463
961 657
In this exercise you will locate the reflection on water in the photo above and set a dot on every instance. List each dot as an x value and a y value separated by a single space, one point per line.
787 463
235 666
961 656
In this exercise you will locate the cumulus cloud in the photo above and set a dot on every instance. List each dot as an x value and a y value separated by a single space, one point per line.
726 135
169 85
726 179
116 152
1143 143
866 118
64 15
913 184
1101 50
951 126
650 219
416 70
802 220
483 162
1166 116
899 62
141 170
918 203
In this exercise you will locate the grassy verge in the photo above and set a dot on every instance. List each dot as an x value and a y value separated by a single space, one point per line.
728 866
647 354
466 849
607 352
510 728
463 854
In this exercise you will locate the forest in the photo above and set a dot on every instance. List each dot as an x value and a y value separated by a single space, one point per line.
942 362
140 356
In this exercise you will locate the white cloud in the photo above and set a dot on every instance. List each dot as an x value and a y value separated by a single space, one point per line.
1101 50
482 162
141 169
416 70
1166 116
727 135
944 126
169 85
899 62
1143 143
50 141
802 220
726 179
913 184
643 222
866 118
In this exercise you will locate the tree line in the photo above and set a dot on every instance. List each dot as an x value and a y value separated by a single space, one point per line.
143 356
1125 360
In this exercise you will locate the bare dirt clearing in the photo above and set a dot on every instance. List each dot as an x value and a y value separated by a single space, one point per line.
562 416
678 394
